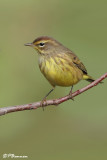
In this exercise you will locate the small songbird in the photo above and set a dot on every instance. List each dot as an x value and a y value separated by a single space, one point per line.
59 65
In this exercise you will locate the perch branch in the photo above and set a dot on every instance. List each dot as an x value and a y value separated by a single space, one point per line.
36 105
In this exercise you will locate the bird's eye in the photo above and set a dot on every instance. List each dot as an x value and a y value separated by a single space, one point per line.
41 44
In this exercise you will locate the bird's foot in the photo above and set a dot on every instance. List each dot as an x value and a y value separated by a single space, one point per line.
42 103
70 95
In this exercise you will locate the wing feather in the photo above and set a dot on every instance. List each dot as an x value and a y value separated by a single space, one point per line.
77 62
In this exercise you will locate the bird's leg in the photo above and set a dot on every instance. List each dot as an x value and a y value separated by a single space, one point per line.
44 99
70 93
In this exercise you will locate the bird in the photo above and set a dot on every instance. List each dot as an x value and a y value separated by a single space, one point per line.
59 65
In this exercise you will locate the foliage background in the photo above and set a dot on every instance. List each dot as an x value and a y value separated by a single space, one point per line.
73 130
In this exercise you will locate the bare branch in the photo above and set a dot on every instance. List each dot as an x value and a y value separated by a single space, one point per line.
36 105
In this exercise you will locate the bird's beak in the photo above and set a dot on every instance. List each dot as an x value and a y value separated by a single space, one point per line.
29 44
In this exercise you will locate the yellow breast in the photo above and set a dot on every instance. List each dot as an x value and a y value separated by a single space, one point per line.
59 72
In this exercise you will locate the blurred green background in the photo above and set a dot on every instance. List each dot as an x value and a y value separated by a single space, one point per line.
73 130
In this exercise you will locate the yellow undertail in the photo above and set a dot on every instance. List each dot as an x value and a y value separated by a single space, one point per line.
88 78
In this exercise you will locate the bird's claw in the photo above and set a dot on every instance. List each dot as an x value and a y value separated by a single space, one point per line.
42 103
70 95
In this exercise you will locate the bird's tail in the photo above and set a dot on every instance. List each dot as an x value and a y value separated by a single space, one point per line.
88 78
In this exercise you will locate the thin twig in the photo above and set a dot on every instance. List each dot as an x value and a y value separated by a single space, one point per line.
36 105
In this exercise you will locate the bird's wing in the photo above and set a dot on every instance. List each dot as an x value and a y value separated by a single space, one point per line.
77 62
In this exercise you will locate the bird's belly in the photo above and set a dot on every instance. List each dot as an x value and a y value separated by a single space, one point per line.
60 75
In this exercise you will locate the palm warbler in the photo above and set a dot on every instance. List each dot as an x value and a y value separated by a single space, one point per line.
59 65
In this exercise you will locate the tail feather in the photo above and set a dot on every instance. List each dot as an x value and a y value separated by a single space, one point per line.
88 78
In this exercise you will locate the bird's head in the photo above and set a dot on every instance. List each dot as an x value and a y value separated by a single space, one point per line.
44 45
